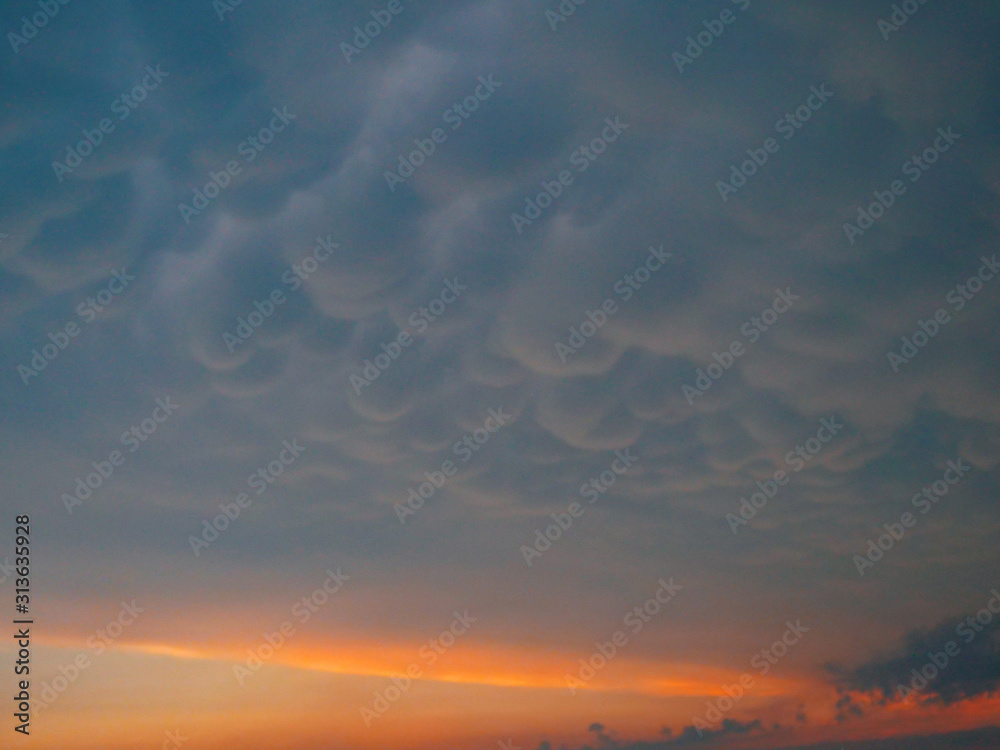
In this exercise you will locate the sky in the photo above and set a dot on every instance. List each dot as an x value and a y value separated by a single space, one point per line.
481 375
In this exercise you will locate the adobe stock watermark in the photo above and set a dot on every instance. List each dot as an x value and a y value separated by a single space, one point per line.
98 643
914 168
39 20
787 127
364 36
89 309
796 459
762 662
222 7
626 287
249 149
563 11
753 329
958 297
455 115
296 275
593 488
259 482
924 501
302 610
420 320
635 620
968 630
428 655
582 158
704 39
464 448
123 106
901 14
6 570
133 438
173 740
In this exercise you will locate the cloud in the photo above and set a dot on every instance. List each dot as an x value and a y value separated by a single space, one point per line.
496 347
973 672
982 739
689 736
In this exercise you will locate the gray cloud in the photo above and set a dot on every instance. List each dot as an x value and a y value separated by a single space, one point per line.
325 176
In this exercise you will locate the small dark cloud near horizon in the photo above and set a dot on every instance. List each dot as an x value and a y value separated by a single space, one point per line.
981 739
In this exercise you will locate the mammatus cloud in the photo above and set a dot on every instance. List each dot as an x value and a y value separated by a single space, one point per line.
696 233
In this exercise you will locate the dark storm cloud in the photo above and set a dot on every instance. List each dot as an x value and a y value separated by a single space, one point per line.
954 661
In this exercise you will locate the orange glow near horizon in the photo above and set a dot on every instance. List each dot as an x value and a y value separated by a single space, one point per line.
476 664
477 691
